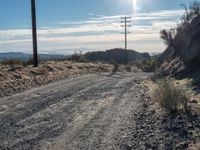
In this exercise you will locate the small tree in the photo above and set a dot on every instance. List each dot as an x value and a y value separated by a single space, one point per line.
168 36
195 8
186 17
191 12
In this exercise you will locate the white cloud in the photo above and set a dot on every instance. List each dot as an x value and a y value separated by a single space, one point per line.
100 32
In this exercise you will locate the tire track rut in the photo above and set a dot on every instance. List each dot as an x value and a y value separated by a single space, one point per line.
90 112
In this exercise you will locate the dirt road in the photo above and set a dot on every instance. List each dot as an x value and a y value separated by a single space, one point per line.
90 112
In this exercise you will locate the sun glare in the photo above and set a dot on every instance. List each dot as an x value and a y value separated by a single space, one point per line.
134 2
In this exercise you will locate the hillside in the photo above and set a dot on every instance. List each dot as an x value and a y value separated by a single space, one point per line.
117 55
187 43
182 56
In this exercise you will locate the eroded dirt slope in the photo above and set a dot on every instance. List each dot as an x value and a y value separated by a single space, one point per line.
15 79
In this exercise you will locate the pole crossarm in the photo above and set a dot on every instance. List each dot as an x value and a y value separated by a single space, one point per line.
126 17
126 23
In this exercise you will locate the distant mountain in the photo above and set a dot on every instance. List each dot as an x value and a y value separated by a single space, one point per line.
155 54
12 55
25 57
117 55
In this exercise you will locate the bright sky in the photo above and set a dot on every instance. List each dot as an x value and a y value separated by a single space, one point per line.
68 25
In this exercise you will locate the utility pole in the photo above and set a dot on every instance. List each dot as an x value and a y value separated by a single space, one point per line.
34 34
126 21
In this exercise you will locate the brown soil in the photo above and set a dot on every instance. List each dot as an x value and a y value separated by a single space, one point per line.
15 79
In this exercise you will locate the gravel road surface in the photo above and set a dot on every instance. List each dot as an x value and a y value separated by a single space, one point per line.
93 112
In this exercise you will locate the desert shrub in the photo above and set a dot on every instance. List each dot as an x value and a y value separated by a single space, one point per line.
128 68
196 79
12 62
28 62
170 97
41 60
115 67
190 12
77 57
168 36
149 65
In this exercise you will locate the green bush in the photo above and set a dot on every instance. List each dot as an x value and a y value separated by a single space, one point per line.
170 97
149 65
77 57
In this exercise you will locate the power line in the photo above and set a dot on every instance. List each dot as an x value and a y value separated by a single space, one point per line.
34 34
126 21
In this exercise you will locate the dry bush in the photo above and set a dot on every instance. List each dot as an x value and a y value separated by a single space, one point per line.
78 57
169 36
196 78
194 146
115 67
12 62
128 68
171 98
29 62
150 65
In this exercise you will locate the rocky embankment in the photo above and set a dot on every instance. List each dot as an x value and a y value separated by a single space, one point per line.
14 79
157 129
183 58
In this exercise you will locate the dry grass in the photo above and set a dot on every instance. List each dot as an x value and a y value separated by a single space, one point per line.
194 146
128 68
171 98
12 62
18 78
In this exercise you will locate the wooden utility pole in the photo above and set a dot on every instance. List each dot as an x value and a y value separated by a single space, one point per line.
126 21
34 34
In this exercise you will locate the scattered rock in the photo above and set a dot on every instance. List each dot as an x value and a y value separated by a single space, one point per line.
194 101
125 147
182 146
4 107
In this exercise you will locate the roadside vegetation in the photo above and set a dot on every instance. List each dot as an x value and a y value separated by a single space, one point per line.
191 12
12 62
170 97
150 65
77 57
173 98
196 79
17 62
16 78
21 62
175 37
